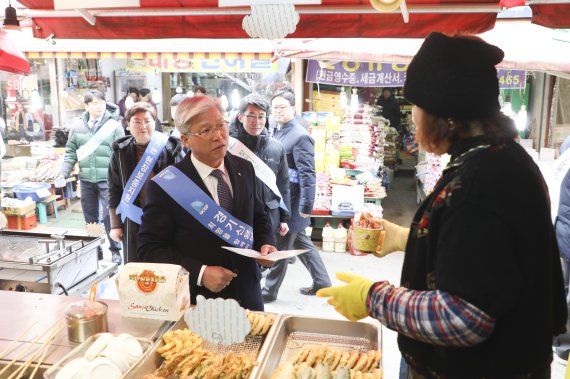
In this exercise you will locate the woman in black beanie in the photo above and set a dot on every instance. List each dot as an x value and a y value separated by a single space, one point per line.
481 292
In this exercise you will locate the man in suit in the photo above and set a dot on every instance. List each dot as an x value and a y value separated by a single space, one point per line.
171 233
298 146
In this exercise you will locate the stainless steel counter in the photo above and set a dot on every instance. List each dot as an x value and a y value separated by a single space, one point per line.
19 309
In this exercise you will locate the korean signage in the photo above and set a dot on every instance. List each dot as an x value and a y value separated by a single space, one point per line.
201 65
358 74
365 74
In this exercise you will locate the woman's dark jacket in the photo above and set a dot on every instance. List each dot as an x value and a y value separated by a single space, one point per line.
485 235
122 164
270 151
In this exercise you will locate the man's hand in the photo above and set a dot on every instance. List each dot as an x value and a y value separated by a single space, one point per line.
216 278
265 250
348 300
283 228
304 215
395 238
116 234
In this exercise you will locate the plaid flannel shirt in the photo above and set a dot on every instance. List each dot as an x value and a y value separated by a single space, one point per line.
433 317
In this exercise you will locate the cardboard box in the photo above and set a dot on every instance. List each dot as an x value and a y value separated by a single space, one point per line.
153 290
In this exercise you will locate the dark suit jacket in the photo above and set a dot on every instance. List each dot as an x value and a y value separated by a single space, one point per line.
169 234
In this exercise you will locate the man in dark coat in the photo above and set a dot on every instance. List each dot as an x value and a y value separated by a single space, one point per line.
299 150
251 130
127 152
170 233
390 109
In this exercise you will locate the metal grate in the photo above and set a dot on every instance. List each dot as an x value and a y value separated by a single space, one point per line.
298 340
250 345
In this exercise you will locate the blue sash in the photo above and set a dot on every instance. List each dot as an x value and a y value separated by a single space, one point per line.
138 177
204 209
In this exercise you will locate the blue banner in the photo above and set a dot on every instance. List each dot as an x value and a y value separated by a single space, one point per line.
367 74
139 177
204 209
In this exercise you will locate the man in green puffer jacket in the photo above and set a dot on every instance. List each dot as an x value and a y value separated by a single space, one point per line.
89 143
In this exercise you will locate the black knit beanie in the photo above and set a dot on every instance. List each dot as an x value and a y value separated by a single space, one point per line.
455 77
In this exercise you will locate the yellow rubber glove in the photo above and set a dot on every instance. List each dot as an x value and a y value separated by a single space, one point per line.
395 238
349 300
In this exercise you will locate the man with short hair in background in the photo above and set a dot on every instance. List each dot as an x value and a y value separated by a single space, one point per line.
89 144
299 149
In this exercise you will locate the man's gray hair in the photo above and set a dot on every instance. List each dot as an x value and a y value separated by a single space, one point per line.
191 108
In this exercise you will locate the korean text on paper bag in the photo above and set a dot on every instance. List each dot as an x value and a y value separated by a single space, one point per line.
153 290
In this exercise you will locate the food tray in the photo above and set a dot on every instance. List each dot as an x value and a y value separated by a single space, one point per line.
80 350
151 360
295 332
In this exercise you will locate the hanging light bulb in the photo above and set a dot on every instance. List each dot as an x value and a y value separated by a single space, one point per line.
155 97
508 107
521 118
235 99
224 101
354 101
37 102
343 99
129 102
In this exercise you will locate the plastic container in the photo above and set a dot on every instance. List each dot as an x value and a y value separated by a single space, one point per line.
36 191
23 222
340 237
328 238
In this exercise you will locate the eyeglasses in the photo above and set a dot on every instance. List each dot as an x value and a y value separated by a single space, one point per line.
138 123
281 107
210 131
252 117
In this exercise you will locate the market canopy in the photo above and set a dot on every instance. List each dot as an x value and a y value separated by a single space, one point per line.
332 18
526 46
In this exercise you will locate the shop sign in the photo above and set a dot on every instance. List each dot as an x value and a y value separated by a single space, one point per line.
201 65
511 78
358 74
366 74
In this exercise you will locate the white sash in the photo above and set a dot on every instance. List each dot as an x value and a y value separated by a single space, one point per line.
262 171
101 134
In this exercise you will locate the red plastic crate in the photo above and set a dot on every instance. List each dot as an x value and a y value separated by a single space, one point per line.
23 222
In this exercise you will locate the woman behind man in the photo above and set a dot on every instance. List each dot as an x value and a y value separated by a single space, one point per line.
481 291
127 193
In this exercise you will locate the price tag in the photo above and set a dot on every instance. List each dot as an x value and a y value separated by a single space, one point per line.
43 192
220 321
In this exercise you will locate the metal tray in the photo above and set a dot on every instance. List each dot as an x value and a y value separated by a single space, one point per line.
295 332
80 350
151 360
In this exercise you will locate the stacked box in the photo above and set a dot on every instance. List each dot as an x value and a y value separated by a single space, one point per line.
22 222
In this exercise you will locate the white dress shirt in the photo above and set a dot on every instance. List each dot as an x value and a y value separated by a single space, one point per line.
211 183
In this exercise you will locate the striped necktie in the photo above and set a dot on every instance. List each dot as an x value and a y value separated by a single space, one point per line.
224 193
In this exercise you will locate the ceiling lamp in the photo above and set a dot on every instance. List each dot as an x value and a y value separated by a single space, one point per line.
11 19
391 6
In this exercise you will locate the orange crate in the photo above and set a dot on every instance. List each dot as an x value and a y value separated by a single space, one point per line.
23 222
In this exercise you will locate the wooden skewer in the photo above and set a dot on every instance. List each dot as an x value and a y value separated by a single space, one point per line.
45 351
27 348
45 346
7 349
